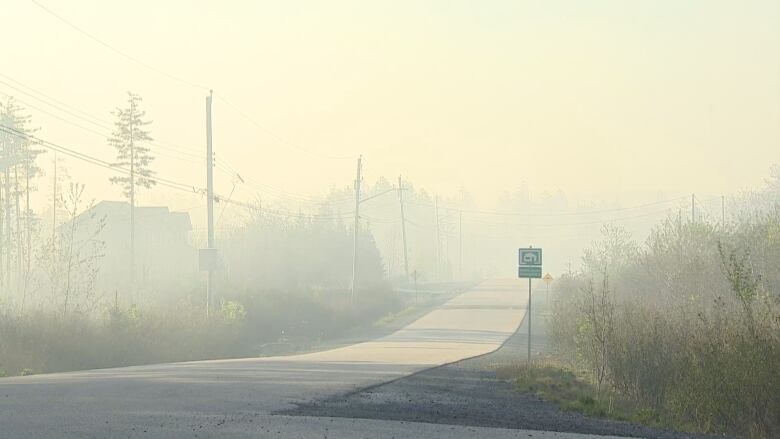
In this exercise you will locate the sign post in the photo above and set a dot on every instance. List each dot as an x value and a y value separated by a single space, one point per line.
547 280
530 267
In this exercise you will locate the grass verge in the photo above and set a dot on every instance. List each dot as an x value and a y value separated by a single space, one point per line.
573 391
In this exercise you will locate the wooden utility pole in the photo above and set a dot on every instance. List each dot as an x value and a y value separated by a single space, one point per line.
8 225
403 228
416 292
210 287
54 208
353 289
460 245
132 205
438 240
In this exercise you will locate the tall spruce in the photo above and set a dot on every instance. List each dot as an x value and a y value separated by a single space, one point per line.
130 139
19 168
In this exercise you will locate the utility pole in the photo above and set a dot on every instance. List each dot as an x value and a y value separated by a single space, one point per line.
132 205
27 217
54 208
356 231
693 208
438 241
8 225
416 293
403 228
2 225
210 288
460 245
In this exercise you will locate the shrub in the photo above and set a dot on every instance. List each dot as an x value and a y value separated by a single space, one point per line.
697 341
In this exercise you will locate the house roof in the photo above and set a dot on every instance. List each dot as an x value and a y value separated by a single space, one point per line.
115 211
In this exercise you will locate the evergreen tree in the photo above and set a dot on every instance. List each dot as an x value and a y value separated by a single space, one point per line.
19 169
130 138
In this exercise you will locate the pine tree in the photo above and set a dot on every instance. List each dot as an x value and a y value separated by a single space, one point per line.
19 160
130 139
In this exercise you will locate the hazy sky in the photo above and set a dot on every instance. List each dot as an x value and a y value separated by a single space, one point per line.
600 98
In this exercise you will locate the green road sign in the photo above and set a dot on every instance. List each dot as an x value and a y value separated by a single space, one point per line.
530 256
529 272
530 263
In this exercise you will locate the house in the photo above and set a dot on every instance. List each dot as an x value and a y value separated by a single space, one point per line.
165 259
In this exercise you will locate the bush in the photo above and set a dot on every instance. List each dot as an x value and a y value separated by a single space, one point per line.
45 341
697 341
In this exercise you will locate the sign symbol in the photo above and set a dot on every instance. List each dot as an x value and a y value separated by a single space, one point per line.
530 256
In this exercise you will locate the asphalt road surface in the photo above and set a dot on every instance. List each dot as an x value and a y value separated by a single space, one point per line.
243 397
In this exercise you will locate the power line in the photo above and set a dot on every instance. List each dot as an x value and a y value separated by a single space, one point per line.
92 119
103 124
89 119
184 81
284 213
279 138
522 214
93 160
117 51
83 115
293 196
90 130
221 164
380 220
585 223
164 181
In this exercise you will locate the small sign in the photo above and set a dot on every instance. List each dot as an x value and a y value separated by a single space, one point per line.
530 256
547 278
529 272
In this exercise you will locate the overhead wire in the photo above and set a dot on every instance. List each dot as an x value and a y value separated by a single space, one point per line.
161 180
279 138
97 122
243 114
117 51
560 214
92 159
219 163
583 223
150 67
103 125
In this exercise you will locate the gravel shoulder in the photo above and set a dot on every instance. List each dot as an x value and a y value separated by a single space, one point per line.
468 393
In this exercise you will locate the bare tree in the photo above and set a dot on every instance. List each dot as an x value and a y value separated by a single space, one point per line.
598 312
71 262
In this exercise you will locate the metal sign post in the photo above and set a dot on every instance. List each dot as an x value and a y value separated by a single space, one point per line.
547 280
530 267
528 360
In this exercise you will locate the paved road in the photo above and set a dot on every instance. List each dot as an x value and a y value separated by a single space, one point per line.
238 398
